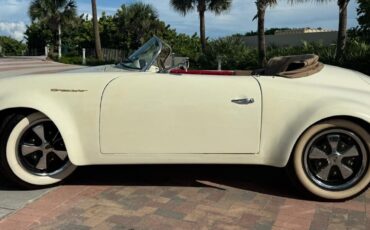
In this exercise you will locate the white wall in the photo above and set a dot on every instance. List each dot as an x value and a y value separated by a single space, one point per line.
326 38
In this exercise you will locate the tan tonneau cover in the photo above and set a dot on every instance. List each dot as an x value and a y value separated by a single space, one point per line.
294 66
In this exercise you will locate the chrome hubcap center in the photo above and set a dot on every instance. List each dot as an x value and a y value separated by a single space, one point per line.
335 159
46 149
41 149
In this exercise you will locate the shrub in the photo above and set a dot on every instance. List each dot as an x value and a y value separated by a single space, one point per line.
11 47
357 56
232 51
236 55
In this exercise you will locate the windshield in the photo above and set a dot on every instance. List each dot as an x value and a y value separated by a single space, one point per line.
145 56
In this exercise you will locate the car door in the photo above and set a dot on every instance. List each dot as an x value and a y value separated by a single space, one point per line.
146 113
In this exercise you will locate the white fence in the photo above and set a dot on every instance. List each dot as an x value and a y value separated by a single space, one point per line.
108 54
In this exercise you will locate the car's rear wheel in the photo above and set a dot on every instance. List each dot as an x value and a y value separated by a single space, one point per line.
33 152
331 159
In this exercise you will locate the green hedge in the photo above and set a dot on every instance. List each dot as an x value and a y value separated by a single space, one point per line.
236 55
11 47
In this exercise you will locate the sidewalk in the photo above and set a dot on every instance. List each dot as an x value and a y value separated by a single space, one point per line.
16 66
12 199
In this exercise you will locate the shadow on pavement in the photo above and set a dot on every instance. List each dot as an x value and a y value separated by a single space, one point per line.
5 186
261 179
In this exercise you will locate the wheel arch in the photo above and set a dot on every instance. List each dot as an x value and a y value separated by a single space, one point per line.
280 138
307 179
359 121
56 117
5 113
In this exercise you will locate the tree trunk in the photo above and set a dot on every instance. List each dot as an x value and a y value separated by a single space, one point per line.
98 50
342 30
202 24
261 34
59 40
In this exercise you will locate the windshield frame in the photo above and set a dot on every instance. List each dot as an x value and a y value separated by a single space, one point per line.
154 58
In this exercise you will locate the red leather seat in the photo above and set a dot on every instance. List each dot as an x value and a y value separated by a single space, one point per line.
203 72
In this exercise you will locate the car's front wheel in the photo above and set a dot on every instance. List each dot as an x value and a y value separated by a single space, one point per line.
331 159
32 151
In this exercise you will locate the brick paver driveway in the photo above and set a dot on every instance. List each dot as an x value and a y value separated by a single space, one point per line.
186 197
173 196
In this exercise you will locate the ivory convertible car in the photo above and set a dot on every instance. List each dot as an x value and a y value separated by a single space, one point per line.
295 113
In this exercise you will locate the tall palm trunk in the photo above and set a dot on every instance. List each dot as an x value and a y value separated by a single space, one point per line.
202 23
261 8
99 53
342 30
59 40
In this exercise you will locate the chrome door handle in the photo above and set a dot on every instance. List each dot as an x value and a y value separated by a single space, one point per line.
243 101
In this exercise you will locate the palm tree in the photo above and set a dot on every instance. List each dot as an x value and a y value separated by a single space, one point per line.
363 12
342 27
54 13
136 23
261 11
216 6
98 50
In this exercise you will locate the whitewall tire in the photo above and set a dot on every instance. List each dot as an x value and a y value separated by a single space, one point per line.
331 159
33 152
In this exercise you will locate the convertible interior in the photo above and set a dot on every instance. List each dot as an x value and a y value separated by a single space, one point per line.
157 56
287 66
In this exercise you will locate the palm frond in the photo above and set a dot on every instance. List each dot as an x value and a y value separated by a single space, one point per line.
183 6
53 12
34 10
219 6
269 3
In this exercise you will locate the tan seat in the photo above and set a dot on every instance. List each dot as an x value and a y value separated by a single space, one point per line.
294 66
243 72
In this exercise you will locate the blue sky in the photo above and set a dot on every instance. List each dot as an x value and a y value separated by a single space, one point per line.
13 16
